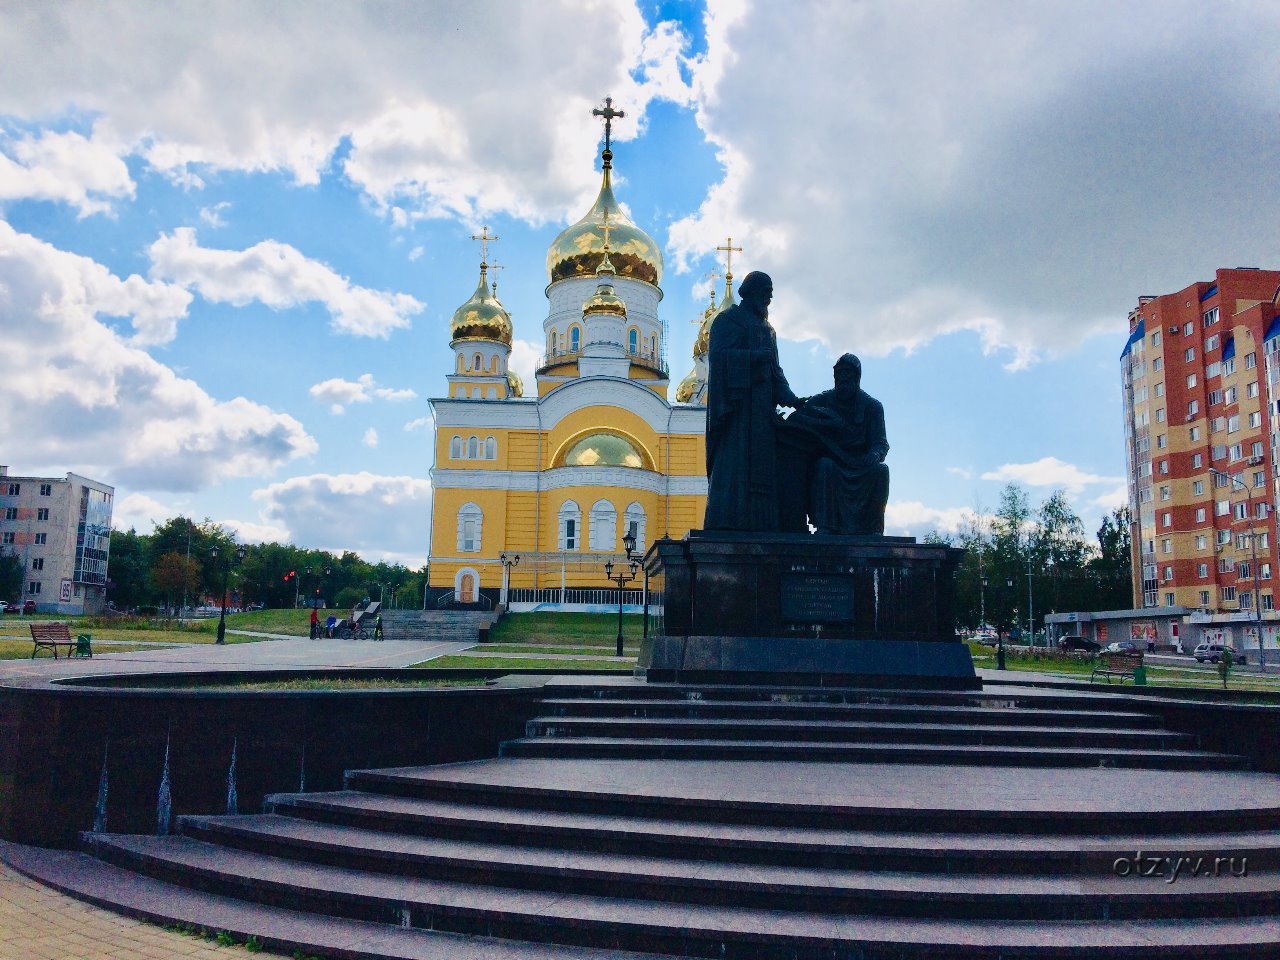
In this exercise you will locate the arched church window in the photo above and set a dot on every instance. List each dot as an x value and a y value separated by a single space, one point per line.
604 526
455 448
470 519
473 448
634 521
491 393
570 526
479 367
603 450
551 342
633 341
460 364
490 448
575 339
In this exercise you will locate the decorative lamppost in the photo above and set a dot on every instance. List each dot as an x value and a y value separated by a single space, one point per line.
314 576
625 576
226 574
507 564
982 600
999 635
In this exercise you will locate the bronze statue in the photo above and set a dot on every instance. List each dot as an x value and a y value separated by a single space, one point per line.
841 434
745 386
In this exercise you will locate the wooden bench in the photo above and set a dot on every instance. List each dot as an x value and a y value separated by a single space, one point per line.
1122 665
55 635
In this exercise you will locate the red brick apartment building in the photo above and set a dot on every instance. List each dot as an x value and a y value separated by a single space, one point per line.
1201 384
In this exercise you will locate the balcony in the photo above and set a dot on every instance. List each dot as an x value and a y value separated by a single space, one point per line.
555 358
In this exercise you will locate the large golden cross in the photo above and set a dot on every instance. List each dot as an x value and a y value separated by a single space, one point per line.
609 115
484 238
729 250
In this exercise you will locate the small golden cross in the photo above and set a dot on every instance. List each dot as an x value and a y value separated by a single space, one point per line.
484 238
729 250
609 115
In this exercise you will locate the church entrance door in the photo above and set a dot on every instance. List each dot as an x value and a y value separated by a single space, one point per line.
467 589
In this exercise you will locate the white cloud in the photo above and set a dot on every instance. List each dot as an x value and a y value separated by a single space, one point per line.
963 473
248 531
137 511
370 438
85 172
421 423
279 276
285 84
1116 497
913 519
416 252
339 393
94 402
1048 472
370 514
212 215
524 360
947 192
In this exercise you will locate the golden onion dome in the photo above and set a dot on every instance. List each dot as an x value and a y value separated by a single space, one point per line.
604 300
482 317
578 250
684 392
515 386
703 341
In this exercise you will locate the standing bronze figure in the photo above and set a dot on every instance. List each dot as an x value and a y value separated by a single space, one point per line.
745 386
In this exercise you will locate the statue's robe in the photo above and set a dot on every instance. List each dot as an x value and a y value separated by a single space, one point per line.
745 385
848 482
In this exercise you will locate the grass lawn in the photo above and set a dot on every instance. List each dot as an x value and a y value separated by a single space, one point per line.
629 648
294 623
626 664
1156 676
21 649
565 629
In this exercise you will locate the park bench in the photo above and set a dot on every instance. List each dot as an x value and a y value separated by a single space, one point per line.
1122 665
55 635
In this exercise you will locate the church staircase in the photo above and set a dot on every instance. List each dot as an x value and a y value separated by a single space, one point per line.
652 820
440 626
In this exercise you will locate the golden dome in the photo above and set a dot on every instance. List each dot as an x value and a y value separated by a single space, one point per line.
603 450
578 250
703 341
515 386
684 392
482 317
604 300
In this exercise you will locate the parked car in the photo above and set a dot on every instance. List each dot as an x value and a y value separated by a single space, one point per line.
1121 646
1077 643
989 637
1213 653
4 605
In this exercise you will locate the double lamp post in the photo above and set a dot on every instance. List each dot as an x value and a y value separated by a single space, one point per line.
237 558
624 576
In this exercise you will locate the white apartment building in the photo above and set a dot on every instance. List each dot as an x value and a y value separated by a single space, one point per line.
60 528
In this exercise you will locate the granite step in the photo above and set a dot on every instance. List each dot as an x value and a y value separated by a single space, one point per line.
852 731
645 707
282 931
552 788
658 748
729 931
888 848
1096 894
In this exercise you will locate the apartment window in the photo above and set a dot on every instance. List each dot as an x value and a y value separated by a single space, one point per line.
1242 511
1210 317
1228 367
42 513
1215 396
1219 451
1236 451
1164 467
1256 449
1168 599
1166 520
1250 360
1193 407
1159 390
1264 571
33 587
1188 328
37 563
1197 461
1161 442
1156 363
1267 602
1233 423
1211 343
1155 339
1213 369
1260 511
46 489
1197 488
15 489
1229 594
1255 418
1222 508
1189 355
1160 415
1242 541
1251 390
1218 424
1259 477
1168 574
1221 480
1223 537
1166 545
1231 395
1194 433
1165 493
41 539
1263 540
8 537
1191 380
1200 518
1202 570
1246 600
1204 598
1202 542
1226 564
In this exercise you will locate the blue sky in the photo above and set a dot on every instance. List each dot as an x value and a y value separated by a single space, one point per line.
231 241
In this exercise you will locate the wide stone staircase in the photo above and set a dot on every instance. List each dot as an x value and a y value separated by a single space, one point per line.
436 625
730 823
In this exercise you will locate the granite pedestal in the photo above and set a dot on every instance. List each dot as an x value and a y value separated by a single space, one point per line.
787 608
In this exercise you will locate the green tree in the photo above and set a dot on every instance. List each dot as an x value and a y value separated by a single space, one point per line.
130 569
1111 568
11 576
175 576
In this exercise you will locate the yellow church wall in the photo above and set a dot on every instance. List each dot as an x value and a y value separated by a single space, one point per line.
596 419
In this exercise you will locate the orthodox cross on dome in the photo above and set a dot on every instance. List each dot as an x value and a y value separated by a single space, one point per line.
713 276
609 115
495 267
729 250
606 265
484 237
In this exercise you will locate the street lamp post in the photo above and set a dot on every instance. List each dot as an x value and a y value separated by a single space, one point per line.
625 575
1031 618
982 600
999 635
1253 551
226 574
507 564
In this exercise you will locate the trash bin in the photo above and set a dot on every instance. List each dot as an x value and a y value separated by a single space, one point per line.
1140 676
84 645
